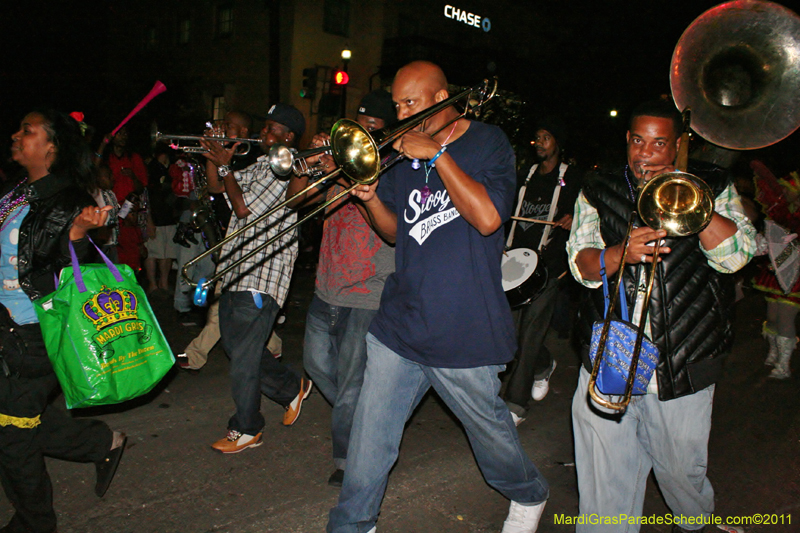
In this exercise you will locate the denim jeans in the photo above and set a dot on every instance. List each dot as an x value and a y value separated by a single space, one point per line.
614 456
184 294
334 355
393 387
254 371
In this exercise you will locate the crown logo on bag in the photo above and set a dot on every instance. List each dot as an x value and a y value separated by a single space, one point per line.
110 306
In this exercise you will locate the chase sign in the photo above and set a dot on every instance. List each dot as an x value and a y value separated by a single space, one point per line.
470 19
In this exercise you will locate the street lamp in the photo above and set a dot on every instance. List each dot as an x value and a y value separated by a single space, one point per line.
346 55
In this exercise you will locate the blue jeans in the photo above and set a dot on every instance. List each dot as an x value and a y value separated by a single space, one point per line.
393 387
184 294
254 371
334 355
614 456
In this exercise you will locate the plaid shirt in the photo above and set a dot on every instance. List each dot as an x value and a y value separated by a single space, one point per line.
729 256
270 270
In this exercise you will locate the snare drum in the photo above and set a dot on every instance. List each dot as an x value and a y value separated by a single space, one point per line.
523 282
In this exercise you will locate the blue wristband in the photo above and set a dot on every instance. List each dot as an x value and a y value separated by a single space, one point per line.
434 158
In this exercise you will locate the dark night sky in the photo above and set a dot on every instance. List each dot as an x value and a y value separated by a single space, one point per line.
580 59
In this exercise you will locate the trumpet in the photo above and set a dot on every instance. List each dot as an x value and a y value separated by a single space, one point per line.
180 142
357 154
284 160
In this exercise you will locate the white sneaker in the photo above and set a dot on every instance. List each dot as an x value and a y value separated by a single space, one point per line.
542 386
517 419
523 518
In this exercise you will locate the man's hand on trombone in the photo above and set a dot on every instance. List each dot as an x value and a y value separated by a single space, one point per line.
640 250
642 245
417 145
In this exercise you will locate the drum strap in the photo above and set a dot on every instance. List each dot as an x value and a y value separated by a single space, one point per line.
562 169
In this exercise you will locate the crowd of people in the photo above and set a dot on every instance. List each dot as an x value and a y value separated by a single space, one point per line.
408 296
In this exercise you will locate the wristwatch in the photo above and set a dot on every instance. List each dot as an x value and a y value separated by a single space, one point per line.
223 171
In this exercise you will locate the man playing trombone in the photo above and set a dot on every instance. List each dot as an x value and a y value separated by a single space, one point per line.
444 321
254 291
665 430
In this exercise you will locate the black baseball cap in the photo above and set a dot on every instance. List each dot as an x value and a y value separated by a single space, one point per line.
289 116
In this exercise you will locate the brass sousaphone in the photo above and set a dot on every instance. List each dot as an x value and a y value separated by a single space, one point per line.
737 67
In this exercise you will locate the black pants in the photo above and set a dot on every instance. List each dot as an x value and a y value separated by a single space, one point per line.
22 449
254 371
533 359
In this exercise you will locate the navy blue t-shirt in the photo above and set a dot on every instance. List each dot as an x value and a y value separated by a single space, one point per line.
444 306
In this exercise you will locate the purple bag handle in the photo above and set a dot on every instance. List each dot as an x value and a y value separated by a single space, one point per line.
76 269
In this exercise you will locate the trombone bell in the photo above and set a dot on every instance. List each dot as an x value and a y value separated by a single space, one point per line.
355 151
678 202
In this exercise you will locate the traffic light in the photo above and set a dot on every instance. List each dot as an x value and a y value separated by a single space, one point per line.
340 77
309 88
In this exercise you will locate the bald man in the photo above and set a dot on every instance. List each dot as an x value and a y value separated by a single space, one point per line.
444 322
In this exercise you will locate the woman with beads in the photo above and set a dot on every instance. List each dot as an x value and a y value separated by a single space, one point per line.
48 206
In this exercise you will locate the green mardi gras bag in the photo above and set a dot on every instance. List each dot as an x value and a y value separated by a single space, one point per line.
101 335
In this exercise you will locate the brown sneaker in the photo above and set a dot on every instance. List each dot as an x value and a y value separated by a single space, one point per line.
293 411
236 442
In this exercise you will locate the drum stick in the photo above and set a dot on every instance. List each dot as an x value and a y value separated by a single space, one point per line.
157 89
534 220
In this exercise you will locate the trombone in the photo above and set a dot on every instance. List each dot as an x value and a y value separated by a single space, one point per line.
180 142
357 154
735 67
679 203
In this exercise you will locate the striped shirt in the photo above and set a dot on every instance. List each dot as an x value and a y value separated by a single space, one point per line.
270 270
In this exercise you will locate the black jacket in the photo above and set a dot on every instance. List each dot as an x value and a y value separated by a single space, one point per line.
44 233
691 303
42 252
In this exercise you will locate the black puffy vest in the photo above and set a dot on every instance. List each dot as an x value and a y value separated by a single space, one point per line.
691 303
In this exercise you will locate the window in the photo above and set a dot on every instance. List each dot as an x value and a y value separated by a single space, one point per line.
184 31
150 39
218 108
224 20
337 17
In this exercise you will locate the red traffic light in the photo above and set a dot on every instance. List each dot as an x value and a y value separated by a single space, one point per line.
340 77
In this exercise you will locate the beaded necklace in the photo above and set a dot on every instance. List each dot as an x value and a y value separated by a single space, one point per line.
9 203
628 181
425 191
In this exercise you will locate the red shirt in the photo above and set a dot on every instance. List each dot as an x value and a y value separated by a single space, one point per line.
123 184
182 173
